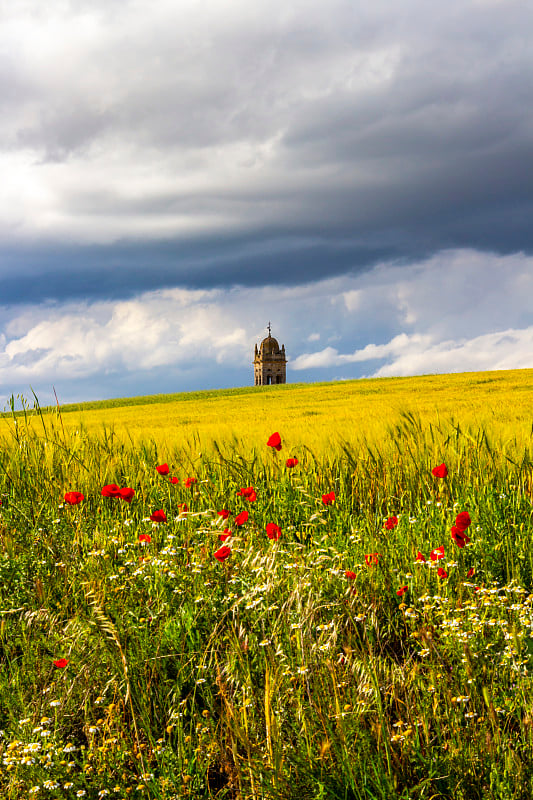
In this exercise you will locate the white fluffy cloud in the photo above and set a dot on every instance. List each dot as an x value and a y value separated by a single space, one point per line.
154 330
454 312
419 355
457 311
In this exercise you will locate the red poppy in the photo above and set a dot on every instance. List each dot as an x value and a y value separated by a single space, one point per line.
328 499
158 516
163 469
273 531
183 508
73 498
401 591
442 573
291 462
371 558
350 575
462 521
111 490
441 471
391 523
420 556
460 538
174 480
249 493
470 573
225 535
145 537
223 553
189 482
437 553
127 494
61 663
275 441
224 513
241 518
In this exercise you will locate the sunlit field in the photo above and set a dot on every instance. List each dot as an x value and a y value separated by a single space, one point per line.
317 416
309 591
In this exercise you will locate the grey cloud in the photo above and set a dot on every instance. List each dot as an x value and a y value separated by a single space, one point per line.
319 140
123 270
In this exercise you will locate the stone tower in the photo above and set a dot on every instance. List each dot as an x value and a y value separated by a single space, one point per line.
269 362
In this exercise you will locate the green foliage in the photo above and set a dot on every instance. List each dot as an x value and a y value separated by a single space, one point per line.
273 674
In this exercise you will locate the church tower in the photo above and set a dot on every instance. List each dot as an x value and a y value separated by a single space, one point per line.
269 362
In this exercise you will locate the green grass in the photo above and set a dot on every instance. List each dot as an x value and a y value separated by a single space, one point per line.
271 674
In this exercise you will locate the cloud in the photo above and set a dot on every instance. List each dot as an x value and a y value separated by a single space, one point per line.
449 313
456 311
237 144
418 355
155 330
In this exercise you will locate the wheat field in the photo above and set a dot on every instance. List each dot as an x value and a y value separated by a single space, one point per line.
291 593
318 416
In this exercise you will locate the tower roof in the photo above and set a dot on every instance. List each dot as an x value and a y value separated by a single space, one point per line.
269 345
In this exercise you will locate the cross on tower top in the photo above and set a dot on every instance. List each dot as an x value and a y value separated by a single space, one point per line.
269 328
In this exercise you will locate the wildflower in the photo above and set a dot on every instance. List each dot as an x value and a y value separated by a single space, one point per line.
189 482
328 499
222 554
273 531
163 469
462 521
350 575
470 572
402 590
127 494
248 492
441 471
371 558
241 518
391 523
460 538
158 516
275 441
224 513
442 573
225 535
420 556
437 553
174 480
110 490
183 508
145 537
73 498
61 663
291 462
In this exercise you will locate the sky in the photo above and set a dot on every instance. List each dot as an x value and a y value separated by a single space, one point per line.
177 174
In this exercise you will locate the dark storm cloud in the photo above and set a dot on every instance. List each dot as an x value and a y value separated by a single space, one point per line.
123 270
320 141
